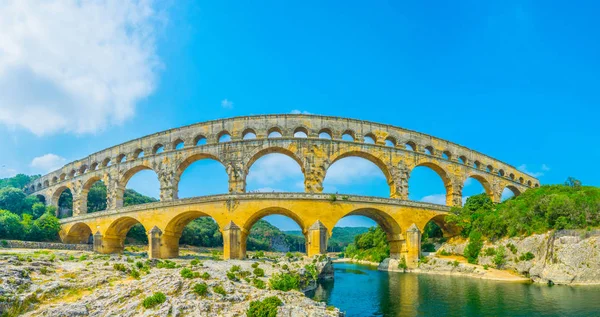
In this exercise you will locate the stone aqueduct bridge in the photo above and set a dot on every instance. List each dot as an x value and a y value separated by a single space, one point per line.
314 142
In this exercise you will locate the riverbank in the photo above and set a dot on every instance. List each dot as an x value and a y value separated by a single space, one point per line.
73 283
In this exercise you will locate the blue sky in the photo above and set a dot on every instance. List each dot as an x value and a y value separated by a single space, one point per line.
517 80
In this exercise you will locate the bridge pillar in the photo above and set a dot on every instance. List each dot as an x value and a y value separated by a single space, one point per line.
97 242
396 247
111 244
314 173
168 187
454 192
154 237
233 248
398 182
237 177
317 239
413 246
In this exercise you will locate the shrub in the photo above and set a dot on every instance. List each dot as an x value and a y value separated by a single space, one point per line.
201 289
219 290
285 281
166 265
489 252
444 252
258 283
135 274
528 256
264 308
205 276
512 248
187 273
120 267
258 272
474 247
500 258
485 266
260 254
4 243
231 276
244 274
235 268
154 300
254 265
455 263
402 264
194 262
139 264
428 247
285 267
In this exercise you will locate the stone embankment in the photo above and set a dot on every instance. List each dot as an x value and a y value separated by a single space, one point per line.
74 283
568 257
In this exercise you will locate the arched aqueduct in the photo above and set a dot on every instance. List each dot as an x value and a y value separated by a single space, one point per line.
314 142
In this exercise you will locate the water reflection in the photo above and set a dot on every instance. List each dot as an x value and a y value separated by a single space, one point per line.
363 291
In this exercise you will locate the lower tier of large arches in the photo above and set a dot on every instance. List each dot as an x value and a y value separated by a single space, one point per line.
164 222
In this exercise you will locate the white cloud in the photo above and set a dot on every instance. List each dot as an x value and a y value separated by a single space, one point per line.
227 104
75 66
352 169
273 169
6 172
523 168
48 163
439 199
296 111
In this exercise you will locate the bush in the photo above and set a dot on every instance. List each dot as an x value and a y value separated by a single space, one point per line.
135 274
528 256
444 252
512 248
474 247
120 267
254 265
154 300
285 281
500 258
187 273
402 264
258 283
264 308
205 276
235 268
219 290
201 289
428 247
166 265
232 277
489 252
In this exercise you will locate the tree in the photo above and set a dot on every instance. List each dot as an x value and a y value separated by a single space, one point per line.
11 226
13 200
47 227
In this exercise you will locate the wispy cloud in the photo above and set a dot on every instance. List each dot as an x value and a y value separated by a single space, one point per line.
6 172
296 111
273 169
75 66
439 199
351 170
47 163
227 104
544 168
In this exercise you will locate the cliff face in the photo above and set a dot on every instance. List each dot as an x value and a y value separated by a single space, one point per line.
561 257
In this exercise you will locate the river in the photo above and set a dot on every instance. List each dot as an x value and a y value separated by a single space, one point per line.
363 291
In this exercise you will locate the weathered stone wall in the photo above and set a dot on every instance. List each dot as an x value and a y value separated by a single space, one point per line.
16 244
394 150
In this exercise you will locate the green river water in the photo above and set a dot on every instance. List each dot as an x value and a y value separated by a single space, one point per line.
360 290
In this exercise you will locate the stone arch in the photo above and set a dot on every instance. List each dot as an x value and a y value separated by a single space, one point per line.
105 162
79 233
198 139
83 200
275 129
120 192
94 166
62 176
371 136
57 193
349 134
41 198
441 172
186 163
448 230
513 189
176 224
137 153
390 141
221 137
248 132
327 132
54 179
410 146
175 144
270 150
156 148
114 236
369 157
484 182
301 129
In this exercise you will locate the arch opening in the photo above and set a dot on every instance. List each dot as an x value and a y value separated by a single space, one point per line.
79 233
199 140
178 144
201 175
157 149
41 198
224 137
428 183
355 175
377 239
139 185
280 171
348 136
126 231
325 134
65 203
301 132
509 192
195 228
369 139
475 185
391 142
410 146
275 230
249 134
96 195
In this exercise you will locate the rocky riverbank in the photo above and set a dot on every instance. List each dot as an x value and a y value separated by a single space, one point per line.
568 257
76 283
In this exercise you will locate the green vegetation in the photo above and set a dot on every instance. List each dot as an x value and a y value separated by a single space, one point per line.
341 237
258 283
154 300
219 290
262 233
187 273
264 308
371 246
528 256
258 272
537 210
500 257
201 289
285 281
474 247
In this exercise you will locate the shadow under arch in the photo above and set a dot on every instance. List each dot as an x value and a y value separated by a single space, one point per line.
85 192
118 228
448 230
371 158
57 193
270 150
79 233
513 189
176 225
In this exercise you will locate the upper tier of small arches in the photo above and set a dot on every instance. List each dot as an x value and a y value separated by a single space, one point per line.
283 126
